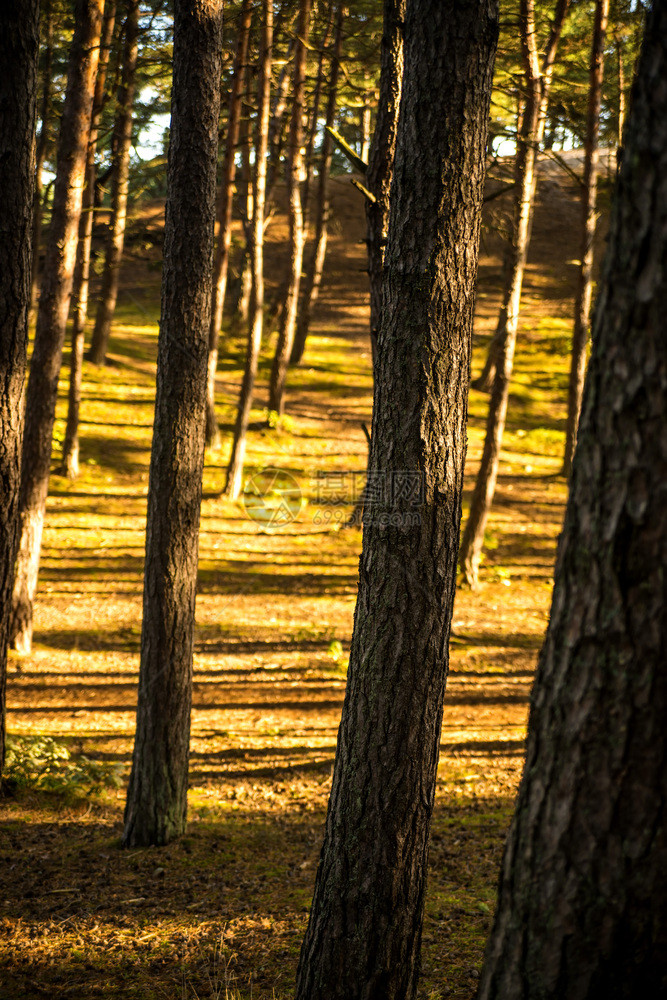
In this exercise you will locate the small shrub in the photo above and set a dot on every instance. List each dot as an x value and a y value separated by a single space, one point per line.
47 765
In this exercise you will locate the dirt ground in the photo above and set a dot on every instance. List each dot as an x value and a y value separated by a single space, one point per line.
222 911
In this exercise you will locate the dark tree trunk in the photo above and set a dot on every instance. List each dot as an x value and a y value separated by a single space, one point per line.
224 214
582 304
381 156
537 90
315 268
582 909
119 188
364 933
256 318
245 278
42 143
155 812
315 114
296 234
531 121
82 266
19 46
56 288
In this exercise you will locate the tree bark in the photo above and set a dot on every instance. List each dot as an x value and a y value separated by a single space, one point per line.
315 113
582 304
582 909
155 811
537 91
224 217
315 268
381 156
42 144
296 234
119 189
83 253
19 47
53 308
532 114
234 480
364 932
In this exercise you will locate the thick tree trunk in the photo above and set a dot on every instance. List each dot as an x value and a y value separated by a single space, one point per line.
381 156
19 47
224 217
256 318
42 143
537 90
155 812
364 932
538 84
120 182
582 909
54 300
315 268
582 304
82 266
296 234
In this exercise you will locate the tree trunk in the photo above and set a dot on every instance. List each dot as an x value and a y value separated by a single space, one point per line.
19 47
537 91
381 156
224 215
313 276
53 308
296 234
582 908
315 114
256 319
82 266
582 304
538 84
245 279
119 189
155 811
364 932
621 91
42 143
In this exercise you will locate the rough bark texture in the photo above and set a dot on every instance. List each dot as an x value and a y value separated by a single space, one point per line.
582 305
582 910
224 217
157 795
313 276
83 252
381 156
56 287
19 44
46 32
120 182
363 937
296 234
256 317
538 78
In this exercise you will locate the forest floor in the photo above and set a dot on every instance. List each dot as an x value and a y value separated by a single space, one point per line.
221 912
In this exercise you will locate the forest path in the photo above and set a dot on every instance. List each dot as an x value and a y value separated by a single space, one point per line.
274 619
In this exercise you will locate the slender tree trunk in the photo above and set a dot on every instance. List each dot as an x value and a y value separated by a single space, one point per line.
224 216
582 908
119 189
155 811
42 143
315 268
315 113
538 84
296 234
582 305
245 281
537 90
83 253
19 47
621 89
277 126
381 156
366 130
256 318
53 308
364 933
